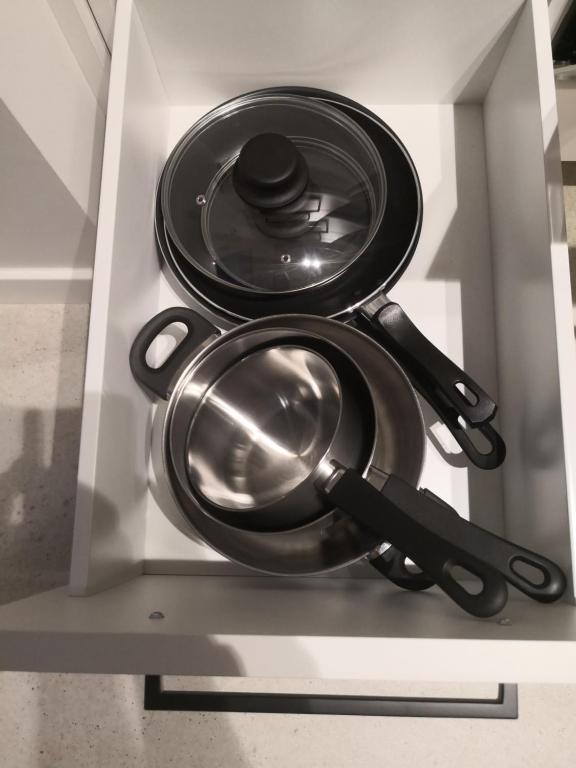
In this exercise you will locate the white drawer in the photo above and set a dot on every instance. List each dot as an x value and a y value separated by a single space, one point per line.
469 88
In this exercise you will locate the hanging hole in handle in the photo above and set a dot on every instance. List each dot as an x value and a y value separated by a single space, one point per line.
164 344
530 572
466 393
469 581
478 440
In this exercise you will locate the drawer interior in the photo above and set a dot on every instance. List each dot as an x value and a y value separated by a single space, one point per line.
488 283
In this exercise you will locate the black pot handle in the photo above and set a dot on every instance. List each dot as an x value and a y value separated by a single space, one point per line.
548 582
531 573
437 539
160 380
485 459
427 366
406 518
392 564
490 459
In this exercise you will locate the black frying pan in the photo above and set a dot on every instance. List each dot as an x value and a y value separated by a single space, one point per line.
358 294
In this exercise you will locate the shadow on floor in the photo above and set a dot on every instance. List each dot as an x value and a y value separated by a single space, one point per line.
44 359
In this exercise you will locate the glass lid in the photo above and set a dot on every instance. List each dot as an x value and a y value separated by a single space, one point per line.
273 194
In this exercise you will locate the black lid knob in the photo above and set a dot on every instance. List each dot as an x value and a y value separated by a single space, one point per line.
270 172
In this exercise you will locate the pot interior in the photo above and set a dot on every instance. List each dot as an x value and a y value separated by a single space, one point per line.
263 427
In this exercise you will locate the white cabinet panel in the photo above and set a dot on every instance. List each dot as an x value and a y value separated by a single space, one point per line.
488 280
53 82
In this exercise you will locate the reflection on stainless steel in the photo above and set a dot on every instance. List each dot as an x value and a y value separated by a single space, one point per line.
263 427
327 474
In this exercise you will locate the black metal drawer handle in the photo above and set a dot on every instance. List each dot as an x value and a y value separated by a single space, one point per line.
503 707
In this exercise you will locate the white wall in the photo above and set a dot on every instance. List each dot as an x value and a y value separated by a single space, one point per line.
53 81
103 11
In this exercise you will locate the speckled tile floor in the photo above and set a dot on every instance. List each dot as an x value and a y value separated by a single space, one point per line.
66 721
42 349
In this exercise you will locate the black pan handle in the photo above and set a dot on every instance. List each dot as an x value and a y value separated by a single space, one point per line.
490 459
160 380
542 580
406 518
531 573
392 564
436 539
427 366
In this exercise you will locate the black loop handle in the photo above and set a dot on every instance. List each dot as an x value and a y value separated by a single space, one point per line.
536 576
490 459
405 517
161 380
427 365
542 580
392 564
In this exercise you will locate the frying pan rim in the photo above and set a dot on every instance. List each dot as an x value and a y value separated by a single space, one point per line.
219 112
383 286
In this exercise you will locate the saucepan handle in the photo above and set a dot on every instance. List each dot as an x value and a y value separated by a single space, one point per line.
392 564
387 515
160 380
489 458
429 368
534 575
437 540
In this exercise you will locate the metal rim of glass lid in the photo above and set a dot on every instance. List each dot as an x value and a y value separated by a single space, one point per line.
306 242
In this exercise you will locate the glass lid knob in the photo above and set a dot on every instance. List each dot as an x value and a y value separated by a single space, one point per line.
270 172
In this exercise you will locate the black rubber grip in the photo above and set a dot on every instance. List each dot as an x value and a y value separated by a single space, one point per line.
161 380
485 459
392 564
429 366
437 538
406 518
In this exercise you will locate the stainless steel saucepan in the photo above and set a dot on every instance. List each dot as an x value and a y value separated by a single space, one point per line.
273 430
